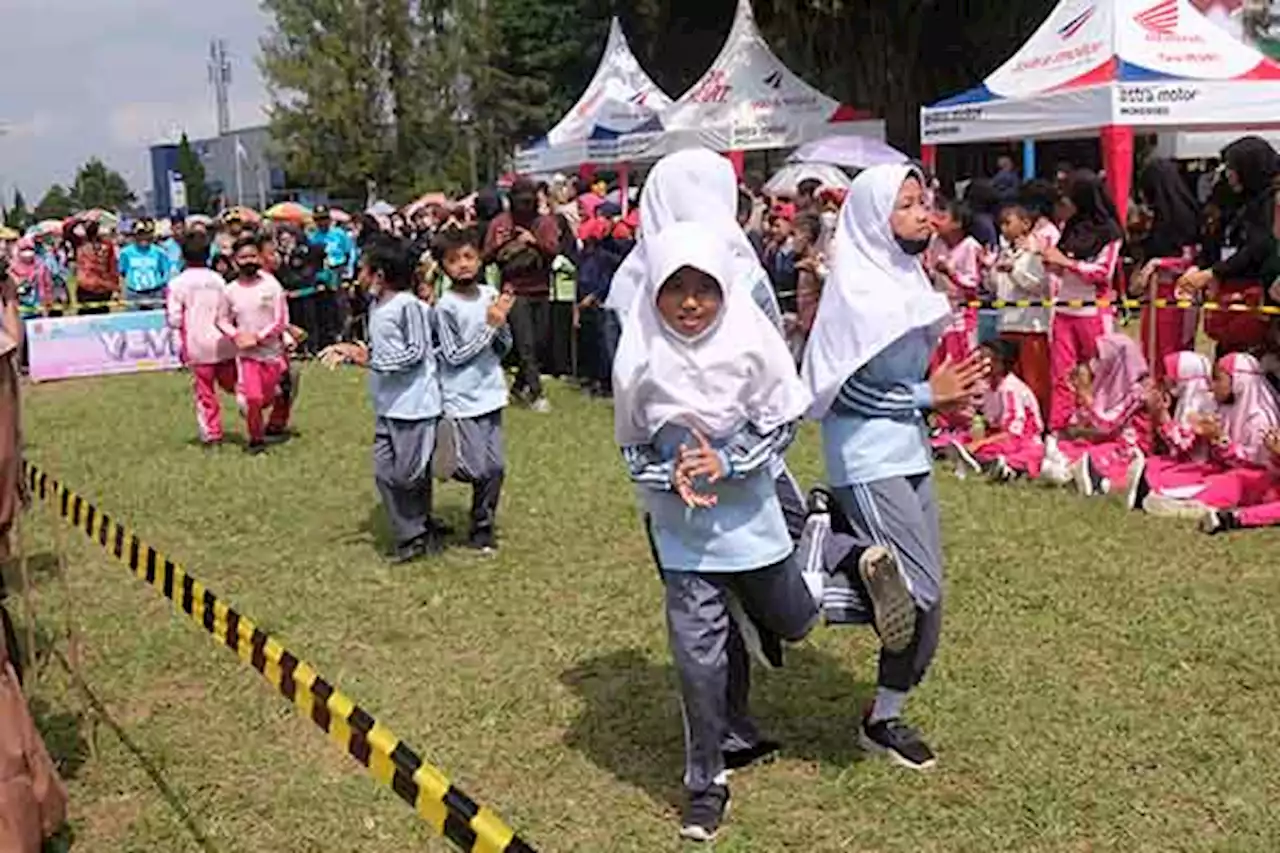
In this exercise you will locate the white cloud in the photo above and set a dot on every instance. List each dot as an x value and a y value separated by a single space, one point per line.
39 125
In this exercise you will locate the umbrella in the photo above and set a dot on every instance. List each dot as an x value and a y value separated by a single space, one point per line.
47 226
854 152
289 211
786 181
105 218
247 215
199 219
339 216
381 208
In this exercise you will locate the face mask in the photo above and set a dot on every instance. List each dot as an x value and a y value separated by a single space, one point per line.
249 270
467 281
912 247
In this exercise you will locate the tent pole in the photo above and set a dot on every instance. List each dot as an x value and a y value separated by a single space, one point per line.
1028 159
1117 160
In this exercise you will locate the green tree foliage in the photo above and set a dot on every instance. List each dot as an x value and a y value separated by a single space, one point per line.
192 171
56 204
18 216
404 93
97 186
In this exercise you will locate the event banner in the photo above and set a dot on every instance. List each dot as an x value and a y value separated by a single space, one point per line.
100 344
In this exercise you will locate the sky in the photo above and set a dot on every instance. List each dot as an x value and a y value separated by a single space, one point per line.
109 78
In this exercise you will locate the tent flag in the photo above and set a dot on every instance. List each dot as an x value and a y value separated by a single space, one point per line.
749 100
1098 63
620 98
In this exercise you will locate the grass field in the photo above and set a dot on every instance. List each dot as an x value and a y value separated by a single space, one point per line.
1106 682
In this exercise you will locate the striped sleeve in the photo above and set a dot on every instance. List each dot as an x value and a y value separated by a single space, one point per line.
750 450
400 352
860 398
454 348
502 341
1100 270
647 468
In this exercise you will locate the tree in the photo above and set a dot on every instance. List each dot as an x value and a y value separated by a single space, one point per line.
97 186
56 204
192 171
18 216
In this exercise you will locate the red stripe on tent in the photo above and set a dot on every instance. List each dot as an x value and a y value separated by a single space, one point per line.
1104 73
847 113
1265 70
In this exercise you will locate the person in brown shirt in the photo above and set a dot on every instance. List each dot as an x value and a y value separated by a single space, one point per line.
97 272
523 243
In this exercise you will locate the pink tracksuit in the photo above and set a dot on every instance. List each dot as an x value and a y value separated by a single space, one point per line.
1174 329
1239 472
1118 416
959 339
192 307
1013 414
261 308
1075 333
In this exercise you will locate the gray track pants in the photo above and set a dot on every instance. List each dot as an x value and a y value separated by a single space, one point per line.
401 455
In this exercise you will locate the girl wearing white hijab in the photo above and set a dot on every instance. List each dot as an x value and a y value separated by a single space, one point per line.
706 397
877 325
699 185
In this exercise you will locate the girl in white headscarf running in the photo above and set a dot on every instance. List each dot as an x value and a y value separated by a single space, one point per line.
699 185
706 399
877 324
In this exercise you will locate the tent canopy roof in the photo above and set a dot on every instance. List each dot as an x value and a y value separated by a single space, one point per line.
1128 62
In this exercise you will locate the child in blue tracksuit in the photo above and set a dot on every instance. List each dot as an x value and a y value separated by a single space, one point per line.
405 389
144 267
471 327
706 401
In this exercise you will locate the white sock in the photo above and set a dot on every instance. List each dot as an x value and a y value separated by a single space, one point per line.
888 705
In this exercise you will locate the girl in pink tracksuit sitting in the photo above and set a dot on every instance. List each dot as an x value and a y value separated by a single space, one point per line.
1238 483
1109 431
1013 445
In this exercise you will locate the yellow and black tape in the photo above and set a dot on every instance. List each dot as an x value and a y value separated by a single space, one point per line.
471 827
1237 308
143 304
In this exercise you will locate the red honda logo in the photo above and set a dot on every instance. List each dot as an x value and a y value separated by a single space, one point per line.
1161 19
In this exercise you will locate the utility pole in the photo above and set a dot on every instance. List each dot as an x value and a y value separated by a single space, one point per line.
220 78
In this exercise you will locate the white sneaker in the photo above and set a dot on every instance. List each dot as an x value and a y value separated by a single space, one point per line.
1136 488
965 458
1166 507
1054 473
541 405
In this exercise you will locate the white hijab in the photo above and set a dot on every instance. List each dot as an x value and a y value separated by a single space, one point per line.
737 372
693 185
875 292
1191 375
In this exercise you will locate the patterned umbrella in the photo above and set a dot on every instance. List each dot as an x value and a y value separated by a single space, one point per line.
47 226
104 218
247 215
289 211
339 216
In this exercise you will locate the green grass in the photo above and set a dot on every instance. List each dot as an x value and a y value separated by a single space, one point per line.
1106 681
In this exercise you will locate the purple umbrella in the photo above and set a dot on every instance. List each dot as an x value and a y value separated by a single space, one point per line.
854 152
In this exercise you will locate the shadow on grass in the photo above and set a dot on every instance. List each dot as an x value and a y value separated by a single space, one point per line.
63 734
376 529
631 724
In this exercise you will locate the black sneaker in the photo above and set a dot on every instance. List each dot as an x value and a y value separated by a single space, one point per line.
901 743
256 448
482 541
1219 521
891 601
428 545
439 526
819 502
764 752
1137 488
278 435
704 814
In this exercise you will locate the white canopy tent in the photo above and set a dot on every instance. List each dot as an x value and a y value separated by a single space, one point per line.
1110 66
621 98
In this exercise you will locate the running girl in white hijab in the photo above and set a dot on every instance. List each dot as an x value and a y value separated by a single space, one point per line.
706 398
877 324
699 185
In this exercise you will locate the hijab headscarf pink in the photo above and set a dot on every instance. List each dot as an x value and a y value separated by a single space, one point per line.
1191 374
1118 373
1255 410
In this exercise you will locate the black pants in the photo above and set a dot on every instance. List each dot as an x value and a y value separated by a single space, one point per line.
328 318
530 320
303 313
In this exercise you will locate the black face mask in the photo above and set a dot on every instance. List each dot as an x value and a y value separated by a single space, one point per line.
248 270
912 247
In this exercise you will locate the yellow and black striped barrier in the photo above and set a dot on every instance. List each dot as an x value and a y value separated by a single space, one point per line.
471 827
72 309
1182 304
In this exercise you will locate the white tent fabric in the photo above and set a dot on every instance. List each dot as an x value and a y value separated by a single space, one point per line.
786 181
620 98
748 100
1127 63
